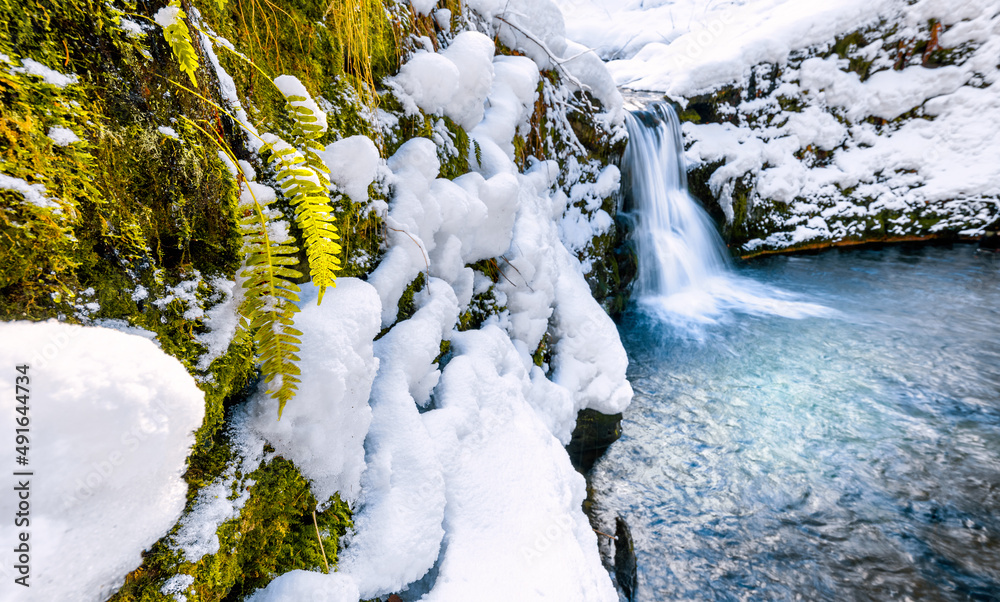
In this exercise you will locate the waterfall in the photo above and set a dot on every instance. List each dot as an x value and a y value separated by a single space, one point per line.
676 241
685 272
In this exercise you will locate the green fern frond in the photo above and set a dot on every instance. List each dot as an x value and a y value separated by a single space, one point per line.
269 300
305 182
175 30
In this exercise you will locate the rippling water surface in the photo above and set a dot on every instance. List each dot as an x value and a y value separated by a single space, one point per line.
853 455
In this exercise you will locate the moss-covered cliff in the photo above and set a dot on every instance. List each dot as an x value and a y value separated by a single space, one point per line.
119 207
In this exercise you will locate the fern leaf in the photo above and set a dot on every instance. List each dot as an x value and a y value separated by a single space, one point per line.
269 301
304 182
175 30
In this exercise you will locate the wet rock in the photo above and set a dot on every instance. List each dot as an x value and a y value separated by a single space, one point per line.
625 564
594 433
991 238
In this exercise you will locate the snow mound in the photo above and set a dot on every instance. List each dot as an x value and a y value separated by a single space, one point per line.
323 430
304 586
528 542
353 163
111 424
453 82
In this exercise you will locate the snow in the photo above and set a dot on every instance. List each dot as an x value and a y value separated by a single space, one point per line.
303 586
527 542
291 87
399 527
537 28
227 87
49 76
177 584
689 46
338 369
221 500
110 432
353 163
167 16
454 82
927 166
423 7
62 136
467 490
33 193
168 131
131 28
221 320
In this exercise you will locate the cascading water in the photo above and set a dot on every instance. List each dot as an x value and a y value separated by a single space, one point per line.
676 241
685 274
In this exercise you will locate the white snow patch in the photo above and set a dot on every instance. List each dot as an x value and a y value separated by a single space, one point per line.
322 430
291 87
49 76
33 193
62 136
353 163
168 131
303 586
116 416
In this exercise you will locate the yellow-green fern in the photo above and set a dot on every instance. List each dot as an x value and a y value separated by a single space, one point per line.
175 30
268 306
305 182
269 300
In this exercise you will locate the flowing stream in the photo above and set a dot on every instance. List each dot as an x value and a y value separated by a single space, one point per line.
811 427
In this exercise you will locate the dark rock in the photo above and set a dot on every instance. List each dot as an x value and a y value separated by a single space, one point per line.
991 238
625 565
594 433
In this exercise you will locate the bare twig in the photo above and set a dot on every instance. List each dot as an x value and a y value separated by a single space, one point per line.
322 551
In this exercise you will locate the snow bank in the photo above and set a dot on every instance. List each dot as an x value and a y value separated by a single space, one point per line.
323 431
537 28
515 529
399 529
921 165
687 47
111 423
353 163
467 490
453 82
303 586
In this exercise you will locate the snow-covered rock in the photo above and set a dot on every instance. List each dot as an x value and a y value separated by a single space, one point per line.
110 422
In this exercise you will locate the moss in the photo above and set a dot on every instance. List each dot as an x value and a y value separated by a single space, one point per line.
454 152
689 115
273 534
846 48
482 306
442 358
407 305
542 356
